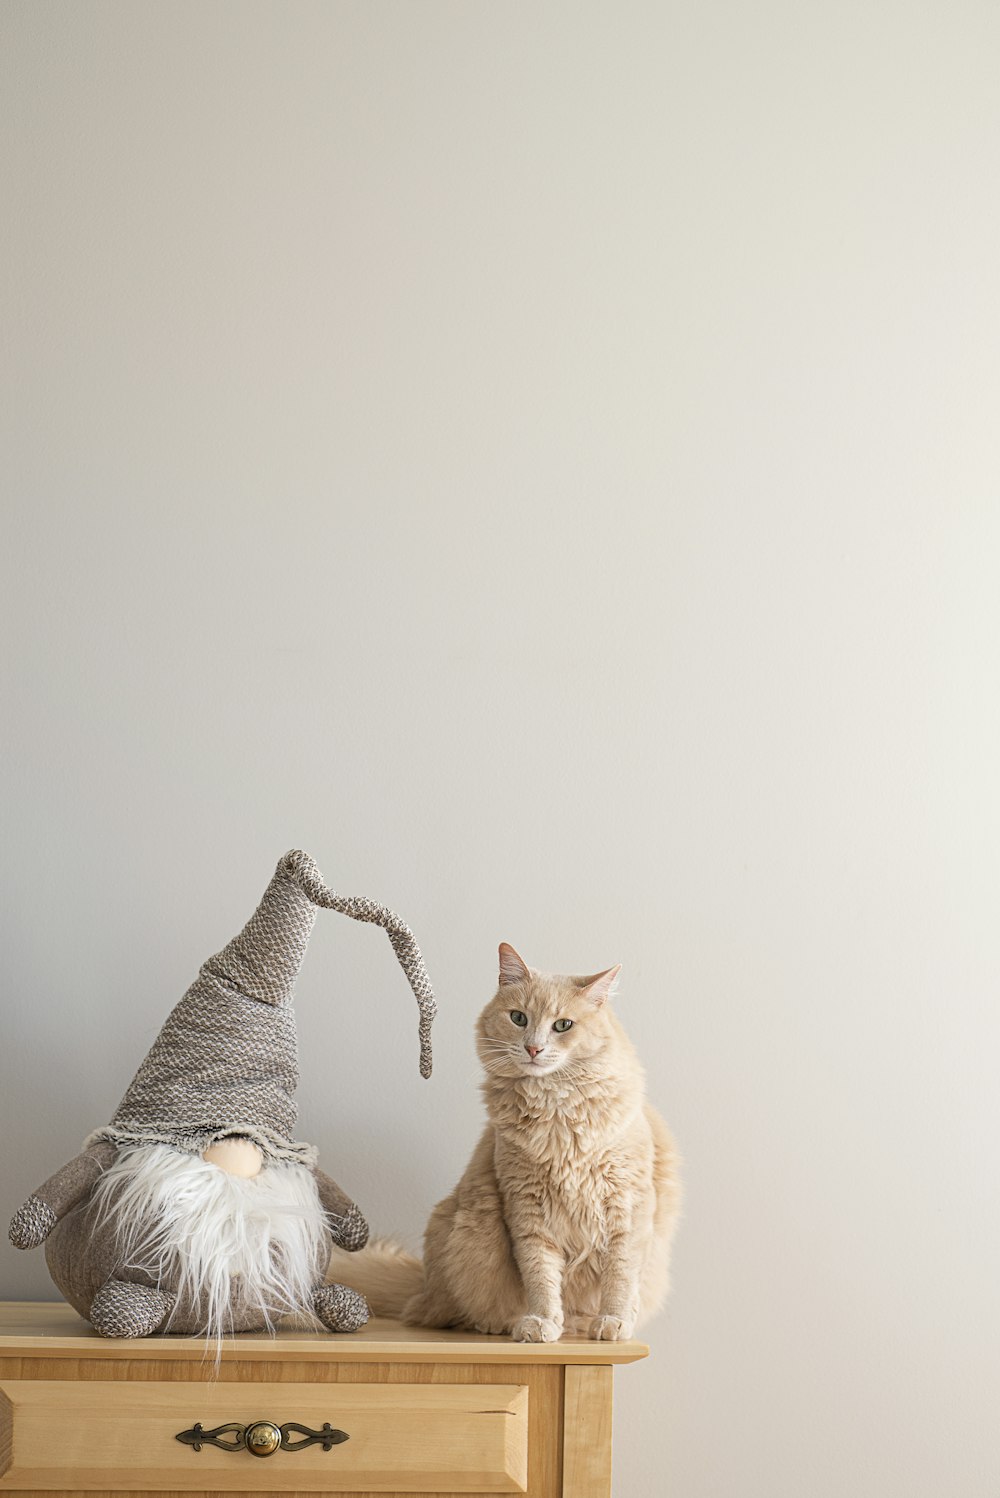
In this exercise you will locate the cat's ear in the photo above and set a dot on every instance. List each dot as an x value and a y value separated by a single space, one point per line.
512 968
599 987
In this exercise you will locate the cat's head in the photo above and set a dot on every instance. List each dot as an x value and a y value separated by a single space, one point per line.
538 1023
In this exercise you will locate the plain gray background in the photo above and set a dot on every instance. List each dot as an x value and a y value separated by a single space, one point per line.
542 459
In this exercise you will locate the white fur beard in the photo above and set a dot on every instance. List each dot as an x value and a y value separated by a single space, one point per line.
229 1246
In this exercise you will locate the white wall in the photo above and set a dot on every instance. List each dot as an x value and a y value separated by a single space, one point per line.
542 459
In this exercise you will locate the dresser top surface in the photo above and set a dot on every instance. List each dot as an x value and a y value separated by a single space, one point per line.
43 1329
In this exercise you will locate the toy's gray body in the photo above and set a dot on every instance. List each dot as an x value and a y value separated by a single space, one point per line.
121 1301
223 1067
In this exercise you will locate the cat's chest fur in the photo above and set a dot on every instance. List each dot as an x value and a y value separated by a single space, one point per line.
568 1152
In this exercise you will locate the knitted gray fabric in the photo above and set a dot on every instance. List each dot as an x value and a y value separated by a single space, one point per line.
404 943
32 1223
349 1232
226 1060
340 1308
121 1310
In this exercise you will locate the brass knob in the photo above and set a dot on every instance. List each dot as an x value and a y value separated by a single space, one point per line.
262 1439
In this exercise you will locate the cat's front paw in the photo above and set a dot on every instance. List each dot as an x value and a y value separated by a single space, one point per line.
610 1329
536 1329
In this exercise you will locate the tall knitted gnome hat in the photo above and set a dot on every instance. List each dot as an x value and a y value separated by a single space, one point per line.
226 1061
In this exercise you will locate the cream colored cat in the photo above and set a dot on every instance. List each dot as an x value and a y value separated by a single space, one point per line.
564 1216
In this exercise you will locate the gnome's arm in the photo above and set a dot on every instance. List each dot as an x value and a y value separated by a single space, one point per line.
32 1223
347 1226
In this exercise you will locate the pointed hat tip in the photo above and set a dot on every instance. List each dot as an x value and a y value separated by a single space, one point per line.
303 871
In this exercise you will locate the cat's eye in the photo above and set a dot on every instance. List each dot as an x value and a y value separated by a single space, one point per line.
519 1018
562 1025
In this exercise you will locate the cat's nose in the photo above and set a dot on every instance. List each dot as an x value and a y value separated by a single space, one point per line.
534 1050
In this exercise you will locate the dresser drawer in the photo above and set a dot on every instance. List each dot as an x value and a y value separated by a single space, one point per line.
60 1435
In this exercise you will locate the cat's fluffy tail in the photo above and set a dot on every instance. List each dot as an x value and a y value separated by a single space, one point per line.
386 1275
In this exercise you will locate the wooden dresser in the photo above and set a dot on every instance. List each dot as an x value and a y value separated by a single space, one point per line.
389 1409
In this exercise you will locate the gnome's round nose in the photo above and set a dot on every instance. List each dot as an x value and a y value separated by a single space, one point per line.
225 1064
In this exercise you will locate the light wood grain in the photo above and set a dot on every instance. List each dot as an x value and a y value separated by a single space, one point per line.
403 1438
6 1433
45 1330
587 1433
544 1384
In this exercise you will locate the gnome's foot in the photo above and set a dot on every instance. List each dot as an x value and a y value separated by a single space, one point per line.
123 1310
340 1308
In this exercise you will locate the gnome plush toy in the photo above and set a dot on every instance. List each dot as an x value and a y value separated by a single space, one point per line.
195 1211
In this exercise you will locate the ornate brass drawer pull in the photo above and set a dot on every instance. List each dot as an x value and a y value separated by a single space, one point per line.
262 1438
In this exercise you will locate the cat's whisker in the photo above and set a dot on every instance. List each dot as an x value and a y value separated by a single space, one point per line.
491 1066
